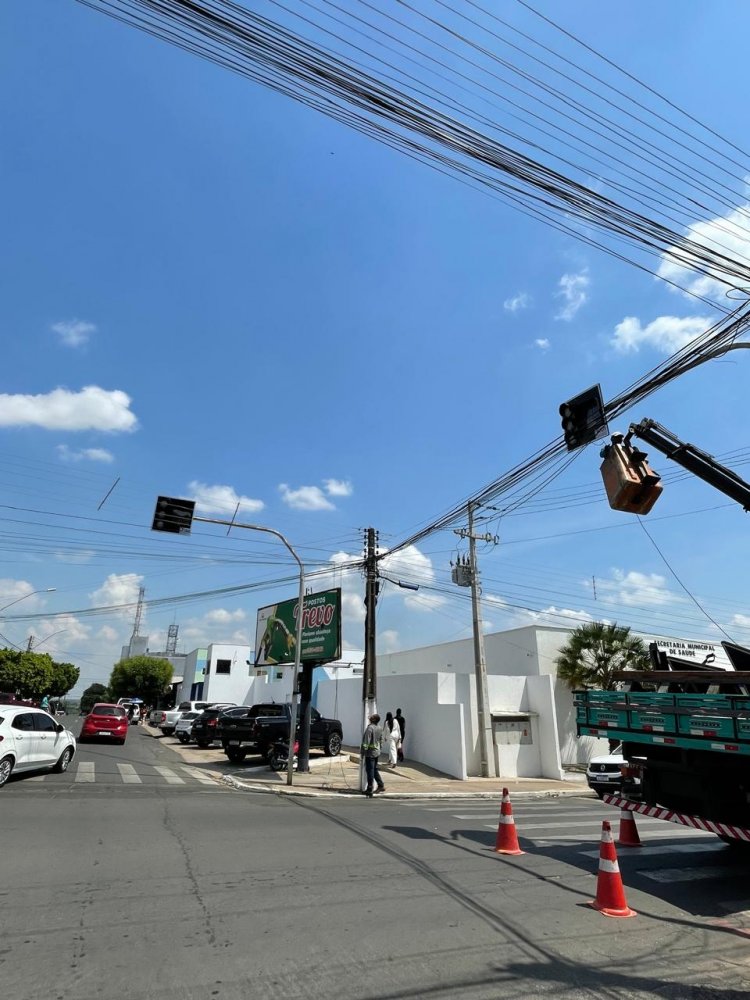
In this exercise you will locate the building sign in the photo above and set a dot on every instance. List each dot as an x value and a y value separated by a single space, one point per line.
276 630
710 653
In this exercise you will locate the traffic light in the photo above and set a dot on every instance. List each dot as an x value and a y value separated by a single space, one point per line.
583 419
173 514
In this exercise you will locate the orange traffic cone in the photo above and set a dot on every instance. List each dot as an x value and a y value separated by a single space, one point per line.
628 835
610 895
507 838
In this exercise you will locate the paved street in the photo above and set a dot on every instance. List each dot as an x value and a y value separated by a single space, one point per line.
163 890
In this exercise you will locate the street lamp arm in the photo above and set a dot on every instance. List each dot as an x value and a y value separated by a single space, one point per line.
45 590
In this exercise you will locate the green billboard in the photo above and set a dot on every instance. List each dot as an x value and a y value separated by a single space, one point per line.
276 630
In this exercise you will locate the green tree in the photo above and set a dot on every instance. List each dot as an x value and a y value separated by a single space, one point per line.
64 678
146 677
594 652
93 694
28 675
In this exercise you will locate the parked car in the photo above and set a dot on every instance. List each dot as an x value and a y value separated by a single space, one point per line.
168 717
104 721
183 729
255 730
604 774
31 740
206 726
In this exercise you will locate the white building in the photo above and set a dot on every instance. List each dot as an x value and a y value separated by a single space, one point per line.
533 717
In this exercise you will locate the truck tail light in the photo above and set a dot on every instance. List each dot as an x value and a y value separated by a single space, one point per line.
212 722
163 717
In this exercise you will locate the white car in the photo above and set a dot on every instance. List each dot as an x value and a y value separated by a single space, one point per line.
604 774
183 729
31 740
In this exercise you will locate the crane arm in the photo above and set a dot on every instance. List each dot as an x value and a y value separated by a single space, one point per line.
699 462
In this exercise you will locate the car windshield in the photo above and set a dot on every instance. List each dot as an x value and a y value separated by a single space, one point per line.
108 710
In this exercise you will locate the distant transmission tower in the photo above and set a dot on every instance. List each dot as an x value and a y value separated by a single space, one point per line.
172 639
138 614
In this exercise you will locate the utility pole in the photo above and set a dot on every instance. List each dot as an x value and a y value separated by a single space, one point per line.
30 644
487 756
369 674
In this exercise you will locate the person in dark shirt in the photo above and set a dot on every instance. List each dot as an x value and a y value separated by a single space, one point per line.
402 726
372 739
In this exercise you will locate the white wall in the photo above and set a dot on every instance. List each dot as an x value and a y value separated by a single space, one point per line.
435 731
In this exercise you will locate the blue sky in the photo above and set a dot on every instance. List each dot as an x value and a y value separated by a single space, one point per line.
209 290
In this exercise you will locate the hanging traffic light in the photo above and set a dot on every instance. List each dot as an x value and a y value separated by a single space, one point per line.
583 418
631 484
174 515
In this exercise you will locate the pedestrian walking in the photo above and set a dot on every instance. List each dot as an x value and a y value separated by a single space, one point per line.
393 738
372 739
44 704
402 726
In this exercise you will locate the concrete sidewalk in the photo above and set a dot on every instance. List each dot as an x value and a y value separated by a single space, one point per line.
334 776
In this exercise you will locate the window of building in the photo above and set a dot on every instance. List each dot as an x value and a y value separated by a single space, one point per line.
223 666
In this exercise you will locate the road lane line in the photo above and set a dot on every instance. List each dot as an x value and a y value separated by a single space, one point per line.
128 774
651 849
169 776
86 771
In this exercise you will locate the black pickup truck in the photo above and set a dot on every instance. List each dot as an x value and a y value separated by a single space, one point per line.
256 731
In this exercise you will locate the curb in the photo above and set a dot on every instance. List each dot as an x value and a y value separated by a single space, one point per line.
332 793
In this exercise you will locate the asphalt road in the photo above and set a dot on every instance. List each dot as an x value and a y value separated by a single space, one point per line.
166 890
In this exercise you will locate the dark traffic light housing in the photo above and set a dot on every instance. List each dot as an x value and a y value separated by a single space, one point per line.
583 418
173 514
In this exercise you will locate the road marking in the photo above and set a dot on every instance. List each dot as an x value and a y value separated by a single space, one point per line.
128 775
528 817
169 776
85 771
198 776
39 777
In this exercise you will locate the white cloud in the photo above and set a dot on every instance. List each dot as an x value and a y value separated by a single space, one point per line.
84 454
52 635
305 498
221 499
635 589
517 303
388 640
665 333
107 634
74 332
573 290
12 591
413 566
220 616
118 588
731 231
338 487
92 408
743 620
75 556
542 343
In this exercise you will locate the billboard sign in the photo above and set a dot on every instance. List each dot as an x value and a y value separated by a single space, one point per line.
276 630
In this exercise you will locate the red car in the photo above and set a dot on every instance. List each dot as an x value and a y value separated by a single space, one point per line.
104 721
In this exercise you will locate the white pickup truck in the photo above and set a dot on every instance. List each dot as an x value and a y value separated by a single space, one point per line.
168 719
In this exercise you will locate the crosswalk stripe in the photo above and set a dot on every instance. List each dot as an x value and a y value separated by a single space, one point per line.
85 771
198 776
521 817
169 776
127 772
650 848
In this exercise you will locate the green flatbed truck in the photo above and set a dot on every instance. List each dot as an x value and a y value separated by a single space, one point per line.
686 736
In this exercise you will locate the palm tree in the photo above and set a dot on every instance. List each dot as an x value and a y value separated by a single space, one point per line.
594 652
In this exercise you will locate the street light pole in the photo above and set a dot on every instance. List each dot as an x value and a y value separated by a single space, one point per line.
45 590
298 635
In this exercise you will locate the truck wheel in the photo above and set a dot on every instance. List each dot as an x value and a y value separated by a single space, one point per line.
333 745
203 744
236 754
